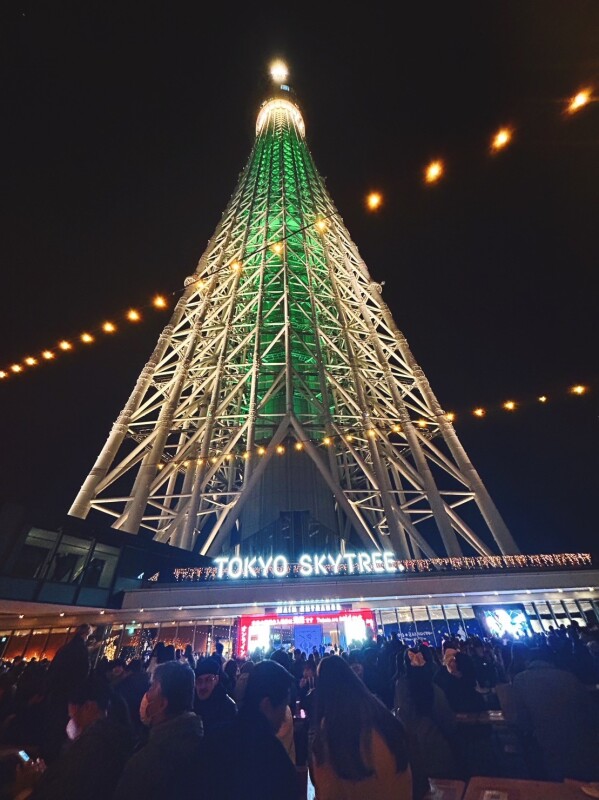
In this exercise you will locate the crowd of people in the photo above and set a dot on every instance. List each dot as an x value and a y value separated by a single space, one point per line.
374 721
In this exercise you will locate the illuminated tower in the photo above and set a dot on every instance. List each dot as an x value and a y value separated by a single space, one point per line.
282 409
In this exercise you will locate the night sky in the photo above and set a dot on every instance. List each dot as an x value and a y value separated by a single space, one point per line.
126 125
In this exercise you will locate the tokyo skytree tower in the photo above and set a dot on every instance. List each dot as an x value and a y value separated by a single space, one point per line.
282 409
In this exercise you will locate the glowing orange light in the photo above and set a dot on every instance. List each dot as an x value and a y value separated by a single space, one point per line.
236 266
159 301
371 433
298 446
3 374
246 456
87 338
186 464
374 201
422 423
578 389
396 428
434 171
160 466
277 248
543 399
261 451
213 460
501 139
479 412
280 449
48 355
327 440
321 225
31 361
450 416
17 368
349 438
580 100
133 315
509 405
200 284
109 327
64 345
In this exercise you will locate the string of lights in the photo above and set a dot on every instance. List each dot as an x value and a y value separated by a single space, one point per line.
457 563
435 170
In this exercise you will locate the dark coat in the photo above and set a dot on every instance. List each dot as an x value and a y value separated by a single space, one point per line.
90 767
69 667
171 764
218 710
262 771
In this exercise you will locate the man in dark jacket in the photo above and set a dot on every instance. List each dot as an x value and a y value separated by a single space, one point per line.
68 669
211 701
263 770
91 764
169 764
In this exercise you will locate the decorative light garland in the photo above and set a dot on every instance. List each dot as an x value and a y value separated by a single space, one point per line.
419 565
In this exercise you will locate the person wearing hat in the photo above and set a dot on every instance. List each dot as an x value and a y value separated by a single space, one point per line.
211 701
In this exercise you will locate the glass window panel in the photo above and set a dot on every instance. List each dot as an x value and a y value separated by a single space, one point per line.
405 614
543 608
37 644
451 612
149 638
67 563
536 625
101 567
467 612
58 637
389 617
530 610
436 612
420 613
34 553
131 642
185 635
202 634
111 642
168 633
586 605
17 644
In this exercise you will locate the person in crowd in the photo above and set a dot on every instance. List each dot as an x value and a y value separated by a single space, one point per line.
157 657
91 765
169 652
298 663
211 701
218 653
134 684
231 673
263 770
242 681
162 767
68 669
458 681
360 749
189 656
553 709
425 712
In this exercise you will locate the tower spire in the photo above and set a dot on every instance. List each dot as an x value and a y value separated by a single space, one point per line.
282 408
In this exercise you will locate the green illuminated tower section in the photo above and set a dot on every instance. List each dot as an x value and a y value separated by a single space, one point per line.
282 409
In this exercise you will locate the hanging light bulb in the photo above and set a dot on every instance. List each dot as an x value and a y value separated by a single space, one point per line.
87 338
64 345
159 301
434 171
48 355
31 361
109 327
133 315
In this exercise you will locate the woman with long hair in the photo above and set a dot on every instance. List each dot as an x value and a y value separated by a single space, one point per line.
360 749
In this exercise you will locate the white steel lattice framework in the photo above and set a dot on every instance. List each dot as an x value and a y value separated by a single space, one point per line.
281 347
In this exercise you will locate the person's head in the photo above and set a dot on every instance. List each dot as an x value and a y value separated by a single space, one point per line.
297 654
346 714
170 693
281 657
219 648
231 669
449 661
168 654
87 703
207 676
117 670
268 692
188 650
84 631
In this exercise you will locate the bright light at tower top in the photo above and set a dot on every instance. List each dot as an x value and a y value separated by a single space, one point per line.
279 71
579 100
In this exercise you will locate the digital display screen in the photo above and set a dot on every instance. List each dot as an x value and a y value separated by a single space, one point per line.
505 621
